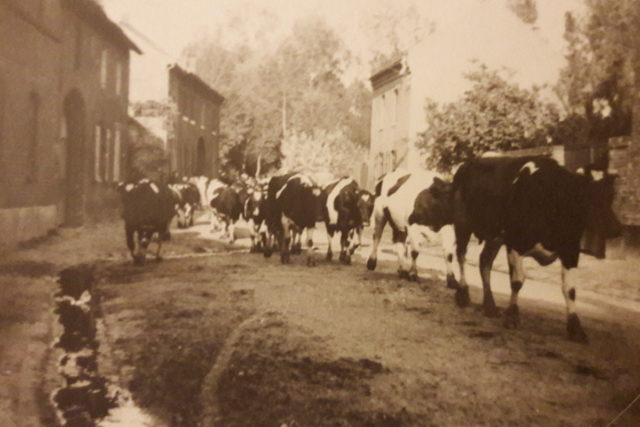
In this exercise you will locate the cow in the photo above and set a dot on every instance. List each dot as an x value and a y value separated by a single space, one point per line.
226 208
254 214
536 208
189 199
414 204
209 189
346 209
292 205
147 209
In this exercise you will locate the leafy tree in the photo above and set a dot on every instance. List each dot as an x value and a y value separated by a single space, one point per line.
599 82
493 115
296 87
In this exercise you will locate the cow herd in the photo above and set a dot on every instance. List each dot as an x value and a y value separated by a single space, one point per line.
531 205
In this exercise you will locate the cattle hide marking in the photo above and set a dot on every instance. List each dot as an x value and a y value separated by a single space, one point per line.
155 188
398 184
529 166
331 199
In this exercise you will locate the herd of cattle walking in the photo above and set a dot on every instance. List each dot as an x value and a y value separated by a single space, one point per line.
532 205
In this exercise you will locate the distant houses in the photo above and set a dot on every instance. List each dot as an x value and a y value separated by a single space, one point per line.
63 113
176 106
466 34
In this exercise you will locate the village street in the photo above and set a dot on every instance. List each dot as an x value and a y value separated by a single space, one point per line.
214 335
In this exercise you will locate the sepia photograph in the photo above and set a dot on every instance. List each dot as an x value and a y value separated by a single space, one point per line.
308 213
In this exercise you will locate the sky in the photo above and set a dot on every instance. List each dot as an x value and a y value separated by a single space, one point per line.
173 24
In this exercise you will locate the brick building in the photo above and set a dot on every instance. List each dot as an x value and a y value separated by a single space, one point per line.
63 104
194 146
176 106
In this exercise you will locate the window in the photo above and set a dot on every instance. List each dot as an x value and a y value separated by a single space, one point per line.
77 47
119 76
396 104
382 111
33 123
203 115
117 152
104 58
97 164
106 156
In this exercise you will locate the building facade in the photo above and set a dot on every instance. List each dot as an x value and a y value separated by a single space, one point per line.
63 105
176 106
194 143
436 69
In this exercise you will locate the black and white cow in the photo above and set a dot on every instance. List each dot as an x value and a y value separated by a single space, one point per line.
254 214
292 205
346 209
189 199
415 204
147 209
226 208
536 208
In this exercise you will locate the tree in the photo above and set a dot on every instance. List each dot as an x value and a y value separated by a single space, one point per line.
295 87
493 115
599 82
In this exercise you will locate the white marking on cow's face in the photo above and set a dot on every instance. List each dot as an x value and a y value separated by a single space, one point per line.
366 197
316 192
154 187
128 187
143 181
597 175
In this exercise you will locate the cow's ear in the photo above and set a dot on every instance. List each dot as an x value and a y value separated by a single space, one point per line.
440 187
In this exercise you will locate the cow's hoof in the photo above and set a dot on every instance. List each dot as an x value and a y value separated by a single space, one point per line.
512 317
253 250
462 296
347 259
311 262
413 276
452 283
371 263
296 249
403 274
266 253
329 256
139 261
576 333
489 309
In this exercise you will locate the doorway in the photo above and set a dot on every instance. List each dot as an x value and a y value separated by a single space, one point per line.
74 116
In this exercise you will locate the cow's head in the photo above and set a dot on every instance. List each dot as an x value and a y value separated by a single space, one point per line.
365 206
601 219
433 206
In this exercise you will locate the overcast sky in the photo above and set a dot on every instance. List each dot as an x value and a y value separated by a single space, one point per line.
172 24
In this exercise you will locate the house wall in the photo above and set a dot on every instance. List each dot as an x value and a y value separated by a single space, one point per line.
49 56
89 66
197 119
28 118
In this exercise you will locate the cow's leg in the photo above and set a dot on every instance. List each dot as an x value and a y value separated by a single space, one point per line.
311 248
131 241
159 249
412 242
488 254
267 241
344 245
285 240
232 231
380 220
144 239
463 235
574 328
516 276
297 242
354 243
399 238
330 232
448 239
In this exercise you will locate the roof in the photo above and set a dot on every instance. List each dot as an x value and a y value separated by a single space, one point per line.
91 11
196 82
389 71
